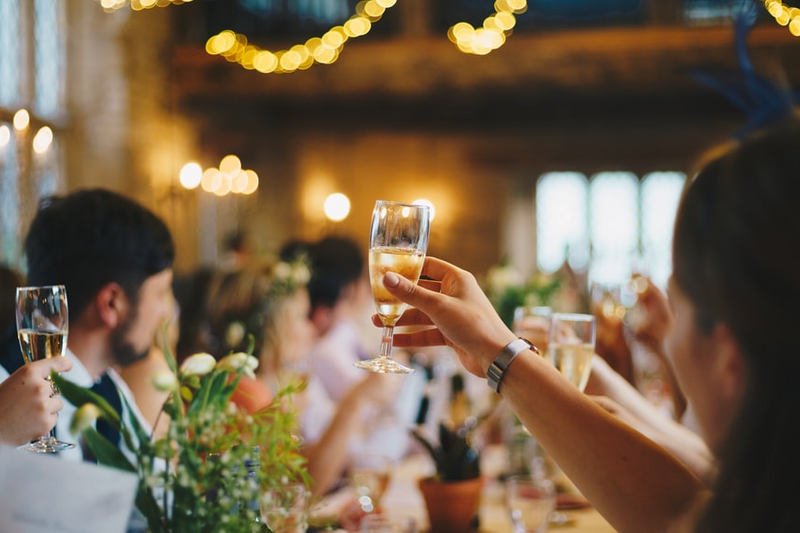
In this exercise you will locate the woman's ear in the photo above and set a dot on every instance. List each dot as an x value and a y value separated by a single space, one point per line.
729 365
112 304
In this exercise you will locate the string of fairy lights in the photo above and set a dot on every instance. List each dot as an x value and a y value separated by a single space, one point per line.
785 16
325 49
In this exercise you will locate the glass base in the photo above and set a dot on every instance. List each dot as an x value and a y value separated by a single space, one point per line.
383 365
47 445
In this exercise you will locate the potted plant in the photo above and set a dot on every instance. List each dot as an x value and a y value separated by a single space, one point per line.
452 494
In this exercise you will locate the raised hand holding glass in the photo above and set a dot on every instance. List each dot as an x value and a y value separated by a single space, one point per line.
398 243
42 327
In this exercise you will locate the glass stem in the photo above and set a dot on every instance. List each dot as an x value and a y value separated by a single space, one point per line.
386 341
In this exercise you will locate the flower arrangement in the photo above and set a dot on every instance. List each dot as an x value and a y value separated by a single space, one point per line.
507 290
203 475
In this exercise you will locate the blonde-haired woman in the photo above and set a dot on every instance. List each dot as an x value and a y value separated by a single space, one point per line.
271 304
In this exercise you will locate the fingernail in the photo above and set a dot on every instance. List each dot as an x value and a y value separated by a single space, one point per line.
390 279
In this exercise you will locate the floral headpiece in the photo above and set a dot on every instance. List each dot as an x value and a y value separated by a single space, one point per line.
286 277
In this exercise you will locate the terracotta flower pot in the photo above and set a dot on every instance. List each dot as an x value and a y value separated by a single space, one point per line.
452 506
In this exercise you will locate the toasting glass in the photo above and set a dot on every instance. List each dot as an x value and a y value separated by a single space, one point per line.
398 242
571 346
42 326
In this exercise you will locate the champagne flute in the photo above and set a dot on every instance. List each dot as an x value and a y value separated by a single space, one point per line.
397 243
42 326
571 346
530 501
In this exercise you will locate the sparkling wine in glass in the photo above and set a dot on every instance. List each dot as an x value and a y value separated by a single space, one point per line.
42 326
398 242
571 346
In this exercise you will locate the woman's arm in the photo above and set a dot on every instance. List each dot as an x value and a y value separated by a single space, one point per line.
327 457
617 396
637 485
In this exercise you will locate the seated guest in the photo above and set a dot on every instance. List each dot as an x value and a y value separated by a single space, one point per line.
114 256
272 305
339 291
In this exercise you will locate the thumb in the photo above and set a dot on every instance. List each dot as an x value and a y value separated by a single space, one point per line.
402 288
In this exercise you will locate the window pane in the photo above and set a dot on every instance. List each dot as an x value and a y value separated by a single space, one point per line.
561 232
614 228
48 56
9 53
9 196
661 192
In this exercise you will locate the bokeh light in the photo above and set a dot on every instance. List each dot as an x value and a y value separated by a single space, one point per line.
336 207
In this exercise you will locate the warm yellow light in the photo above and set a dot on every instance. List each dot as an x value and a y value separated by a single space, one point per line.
224 187
22 119
5 135
265 61
373 9
252 182
191 175
428 203
333 39
336 207
505 21
325 55
211 179
230 165
42 140
794 27
239 182
291 60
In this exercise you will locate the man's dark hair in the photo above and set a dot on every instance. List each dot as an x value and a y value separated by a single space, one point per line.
92 237
336 262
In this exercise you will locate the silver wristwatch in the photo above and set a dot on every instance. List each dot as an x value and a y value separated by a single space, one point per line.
494 375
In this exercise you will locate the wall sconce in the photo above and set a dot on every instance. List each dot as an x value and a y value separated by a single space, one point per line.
336 207
228 178
423 201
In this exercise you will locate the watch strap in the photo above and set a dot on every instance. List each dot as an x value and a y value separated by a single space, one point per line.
494 375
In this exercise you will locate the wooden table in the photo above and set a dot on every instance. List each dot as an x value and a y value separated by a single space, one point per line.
403 499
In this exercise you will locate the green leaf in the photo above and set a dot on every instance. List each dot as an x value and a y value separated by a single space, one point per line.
105 452
79 396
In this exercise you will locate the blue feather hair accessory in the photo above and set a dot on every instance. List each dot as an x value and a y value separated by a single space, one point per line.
762 100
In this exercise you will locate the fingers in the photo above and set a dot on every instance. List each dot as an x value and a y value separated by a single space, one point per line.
422 337
436 268
411 317
44 367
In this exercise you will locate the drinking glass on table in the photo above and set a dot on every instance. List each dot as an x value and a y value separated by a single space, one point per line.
42 327
530 501
376 523
285 509
397 243
571 346
369 477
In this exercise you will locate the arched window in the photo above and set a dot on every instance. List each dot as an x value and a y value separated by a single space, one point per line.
613 224
32 47
562 220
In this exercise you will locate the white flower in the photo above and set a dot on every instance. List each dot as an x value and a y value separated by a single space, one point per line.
198 364
165 381
84 418
234 335
282 271
239 361
301 274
